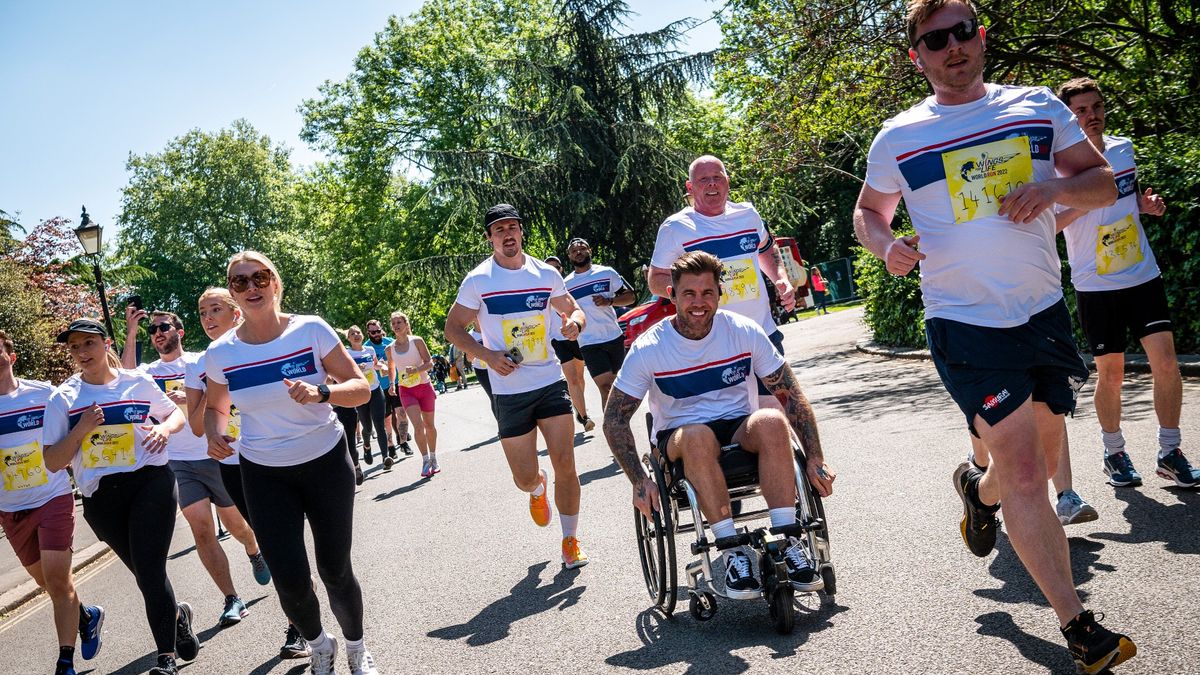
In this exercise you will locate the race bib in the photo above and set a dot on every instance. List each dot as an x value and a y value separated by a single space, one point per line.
740 280
410 379
234 428
109 445
527 335
370 373
174 385
23 467
978 177
1118 246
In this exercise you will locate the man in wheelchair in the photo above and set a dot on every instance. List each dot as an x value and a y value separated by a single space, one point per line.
698 369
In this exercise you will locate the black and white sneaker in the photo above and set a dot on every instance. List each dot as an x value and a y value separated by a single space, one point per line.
294 645
800 570
740 582
187 645
166 666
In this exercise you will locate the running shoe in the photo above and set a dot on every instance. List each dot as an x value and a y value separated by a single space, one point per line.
361 661
1119 469
1072 510
403 447
90 638
166 666
62 667
235 611
971 460
368 457
1094 647
586 421
392 451
433 466
426 468
187 645
979 523
539 507
387 463
740 583
262 574
572 556
321 660
358 475
294 645
1176 467
800 569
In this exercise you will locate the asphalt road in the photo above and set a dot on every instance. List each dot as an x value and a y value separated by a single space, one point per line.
458 579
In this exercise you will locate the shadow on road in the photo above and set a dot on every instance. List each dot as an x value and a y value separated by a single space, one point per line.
708 647
1018 585
878 392
300 667
1034 649
148 661
1151 521
528 598
481 444
607 471
404 489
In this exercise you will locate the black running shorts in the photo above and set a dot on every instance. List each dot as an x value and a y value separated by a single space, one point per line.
605 357
566 350
724 430
1109 317
518 414
990 372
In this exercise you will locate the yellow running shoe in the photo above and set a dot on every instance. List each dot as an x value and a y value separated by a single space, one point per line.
539 507
572 555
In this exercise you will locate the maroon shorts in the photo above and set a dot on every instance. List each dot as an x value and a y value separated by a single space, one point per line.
49 527
421 395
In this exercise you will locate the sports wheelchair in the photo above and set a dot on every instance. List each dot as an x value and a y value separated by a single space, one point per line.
656 536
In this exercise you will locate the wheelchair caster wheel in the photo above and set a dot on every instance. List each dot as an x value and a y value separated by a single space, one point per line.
783 612
703 606
830 580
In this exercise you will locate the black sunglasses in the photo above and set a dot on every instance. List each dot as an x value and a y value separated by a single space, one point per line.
963 31
238 283
156 327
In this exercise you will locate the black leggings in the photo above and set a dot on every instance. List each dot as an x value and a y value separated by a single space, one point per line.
371 414
349 419
134 513
231 476
280 498
485 381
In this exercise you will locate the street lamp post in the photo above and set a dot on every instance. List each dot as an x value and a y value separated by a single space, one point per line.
89 238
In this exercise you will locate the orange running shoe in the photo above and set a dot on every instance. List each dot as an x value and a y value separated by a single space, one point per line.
539 507
572 555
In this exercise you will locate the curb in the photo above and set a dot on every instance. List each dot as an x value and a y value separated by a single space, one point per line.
13 599
1189 364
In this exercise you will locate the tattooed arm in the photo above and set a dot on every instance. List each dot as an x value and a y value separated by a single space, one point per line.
783 386
620 440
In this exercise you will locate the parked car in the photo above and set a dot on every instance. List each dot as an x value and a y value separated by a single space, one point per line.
639 319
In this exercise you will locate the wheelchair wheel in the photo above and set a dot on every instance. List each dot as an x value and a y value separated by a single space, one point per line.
702 606
830 579
656 547
779 596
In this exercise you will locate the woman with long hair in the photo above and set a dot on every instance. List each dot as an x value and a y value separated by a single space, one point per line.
295 463
111 426
370 414
408 368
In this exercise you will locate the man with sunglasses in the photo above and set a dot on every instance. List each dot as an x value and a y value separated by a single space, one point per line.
197 476
598 289
978 167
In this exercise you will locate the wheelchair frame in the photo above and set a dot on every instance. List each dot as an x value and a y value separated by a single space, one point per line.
656 539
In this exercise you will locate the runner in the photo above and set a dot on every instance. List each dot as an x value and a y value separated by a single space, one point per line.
37 511
598 289
1119 290
979 166
568 354
219 314
408 365
396 425
198 476
112 427
513 298
295 464
373 412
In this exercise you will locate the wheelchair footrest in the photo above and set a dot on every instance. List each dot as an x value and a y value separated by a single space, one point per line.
797 528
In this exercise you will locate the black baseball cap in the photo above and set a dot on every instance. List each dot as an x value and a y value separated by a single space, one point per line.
82 326
499 212
578 240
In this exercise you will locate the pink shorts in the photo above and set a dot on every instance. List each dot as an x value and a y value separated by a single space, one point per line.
421 395
49 527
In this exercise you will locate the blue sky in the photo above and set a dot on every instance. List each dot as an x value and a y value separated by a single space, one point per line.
85 84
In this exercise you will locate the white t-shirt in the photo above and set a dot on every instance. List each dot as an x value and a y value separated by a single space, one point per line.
27 484
603 281
514 311
1107 247
277 431
194 377
411 356
952 163
365 358
698 381
129 402
736 237
478 337
172 376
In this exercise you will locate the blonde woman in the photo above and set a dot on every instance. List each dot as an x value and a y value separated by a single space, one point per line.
295 464
372 413
408 369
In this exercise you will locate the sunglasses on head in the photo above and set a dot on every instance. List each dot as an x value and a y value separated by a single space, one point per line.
156 327
238 283
963 31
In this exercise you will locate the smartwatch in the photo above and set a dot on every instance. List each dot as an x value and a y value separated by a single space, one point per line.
323 390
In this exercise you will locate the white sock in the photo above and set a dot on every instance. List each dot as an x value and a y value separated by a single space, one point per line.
321 643
784 515
724 528
539 490
433 456
353 645
1168 440
570 524
1113 441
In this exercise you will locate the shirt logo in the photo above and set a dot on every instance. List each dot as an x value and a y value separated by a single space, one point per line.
132 414
599 287
1125 185
992 401
733 374
536 301
29 421
985 167
294 368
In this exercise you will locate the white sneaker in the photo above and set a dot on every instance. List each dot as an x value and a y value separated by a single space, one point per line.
1071 509
321 661
433 466
361 661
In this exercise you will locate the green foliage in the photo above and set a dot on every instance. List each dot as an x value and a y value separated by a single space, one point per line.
24 317
892 307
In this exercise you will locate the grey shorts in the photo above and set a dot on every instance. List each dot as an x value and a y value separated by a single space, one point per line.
200 479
